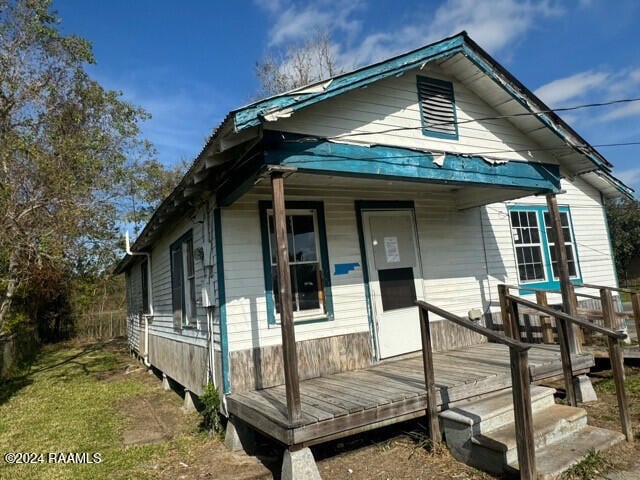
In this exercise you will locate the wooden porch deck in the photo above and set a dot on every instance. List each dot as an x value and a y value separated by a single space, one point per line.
392 391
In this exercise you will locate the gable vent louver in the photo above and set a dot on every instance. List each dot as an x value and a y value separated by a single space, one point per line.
437 108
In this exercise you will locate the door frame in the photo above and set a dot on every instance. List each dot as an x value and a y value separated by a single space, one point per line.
366 205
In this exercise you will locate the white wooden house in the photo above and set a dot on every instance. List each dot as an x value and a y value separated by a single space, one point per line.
421 177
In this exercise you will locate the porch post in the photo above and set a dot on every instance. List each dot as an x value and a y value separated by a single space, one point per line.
566 287
289 354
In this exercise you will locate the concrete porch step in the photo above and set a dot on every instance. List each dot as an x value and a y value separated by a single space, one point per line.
482 433
494 411
557 457
550 425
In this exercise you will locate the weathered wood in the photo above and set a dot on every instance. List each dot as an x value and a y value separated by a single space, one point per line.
505 310
429 377
523 416
582 334
289 353
563 267
545 320
515 320
569 318
490 334
617 364
184 362
635 303
262 367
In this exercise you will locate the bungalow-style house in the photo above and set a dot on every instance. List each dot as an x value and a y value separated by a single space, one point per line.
428 176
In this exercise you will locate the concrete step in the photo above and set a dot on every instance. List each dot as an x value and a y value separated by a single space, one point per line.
555 458
491 412
550 425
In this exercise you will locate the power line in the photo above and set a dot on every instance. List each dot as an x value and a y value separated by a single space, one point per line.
496 117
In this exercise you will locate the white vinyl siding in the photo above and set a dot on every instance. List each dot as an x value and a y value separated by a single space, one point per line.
388 113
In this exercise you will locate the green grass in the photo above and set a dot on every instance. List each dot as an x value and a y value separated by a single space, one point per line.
63 406
631 384
591 466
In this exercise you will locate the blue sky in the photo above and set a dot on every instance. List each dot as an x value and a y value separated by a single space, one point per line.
189 63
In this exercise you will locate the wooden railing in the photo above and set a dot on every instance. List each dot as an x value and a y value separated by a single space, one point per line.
509 304
520 382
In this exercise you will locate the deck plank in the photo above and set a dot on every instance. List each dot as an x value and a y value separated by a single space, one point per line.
340 404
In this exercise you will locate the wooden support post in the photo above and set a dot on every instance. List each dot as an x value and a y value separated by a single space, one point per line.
580 338
505 310
635 303
289 354
515 321
545 320
565 356
617 363
563 266
523 415
429 377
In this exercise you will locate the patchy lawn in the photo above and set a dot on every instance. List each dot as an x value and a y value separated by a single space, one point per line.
95 399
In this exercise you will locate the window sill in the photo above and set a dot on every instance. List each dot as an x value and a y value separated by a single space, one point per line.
547 285
304 320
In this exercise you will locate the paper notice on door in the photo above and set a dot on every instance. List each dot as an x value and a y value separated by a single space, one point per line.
391 249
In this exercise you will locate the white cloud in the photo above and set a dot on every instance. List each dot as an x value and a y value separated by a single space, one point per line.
295 22
630 176
574 86
624 111
494 25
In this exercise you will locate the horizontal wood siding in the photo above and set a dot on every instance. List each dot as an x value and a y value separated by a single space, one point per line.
390 107
134 308
262 367
183 362
162 322
589 226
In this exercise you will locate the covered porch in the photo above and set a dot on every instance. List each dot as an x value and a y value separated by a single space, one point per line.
392 391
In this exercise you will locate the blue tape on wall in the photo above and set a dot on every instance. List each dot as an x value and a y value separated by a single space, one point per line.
345 268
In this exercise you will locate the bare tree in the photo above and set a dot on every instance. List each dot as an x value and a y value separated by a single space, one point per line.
301 64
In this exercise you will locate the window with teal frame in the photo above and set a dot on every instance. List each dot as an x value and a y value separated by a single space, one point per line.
308 262
437 108
535 249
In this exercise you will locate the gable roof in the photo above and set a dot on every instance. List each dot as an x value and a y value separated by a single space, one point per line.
461 57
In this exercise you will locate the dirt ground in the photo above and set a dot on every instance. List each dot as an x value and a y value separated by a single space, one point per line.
396 452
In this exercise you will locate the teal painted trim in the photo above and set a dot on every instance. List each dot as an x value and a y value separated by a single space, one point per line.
606 227
549 283
317 156
425 130
222 301
365 279
265 205
253 114
481 60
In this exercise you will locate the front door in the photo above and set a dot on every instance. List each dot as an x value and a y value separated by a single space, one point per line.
395 279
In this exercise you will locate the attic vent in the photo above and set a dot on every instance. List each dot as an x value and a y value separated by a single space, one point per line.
437 108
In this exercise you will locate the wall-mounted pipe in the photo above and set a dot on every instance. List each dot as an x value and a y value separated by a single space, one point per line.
127 249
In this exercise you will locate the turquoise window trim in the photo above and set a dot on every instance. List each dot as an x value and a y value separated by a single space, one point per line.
222 302
425 130
266 205
550 283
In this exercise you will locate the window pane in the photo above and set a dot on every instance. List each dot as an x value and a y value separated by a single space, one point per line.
397 288
272 239
305 282
304 241
515 219
530 265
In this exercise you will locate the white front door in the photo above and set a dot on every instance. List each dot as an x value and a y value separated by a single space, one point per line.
395 279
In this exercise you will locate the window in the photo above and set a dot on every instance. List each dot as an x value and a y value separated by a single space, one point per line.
535 248
144 285
437 108
308 264
183 282
568 244
526 237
